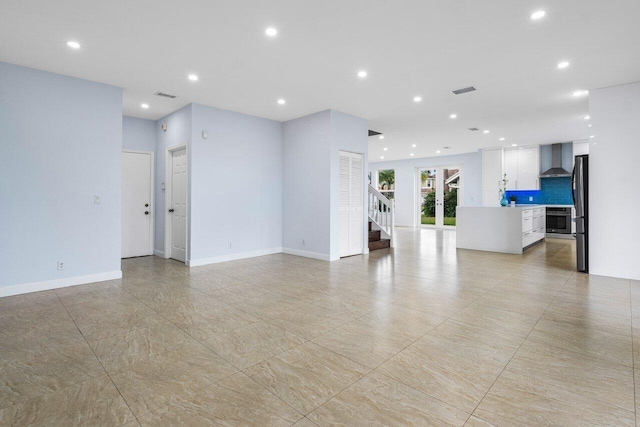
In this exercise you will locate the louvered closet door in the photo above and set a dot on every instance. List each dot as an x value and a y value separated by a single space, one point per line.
351 185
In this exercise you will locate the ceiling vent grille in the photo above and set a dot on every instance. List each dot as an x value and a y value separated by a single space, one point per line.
463 90
473 129
166 95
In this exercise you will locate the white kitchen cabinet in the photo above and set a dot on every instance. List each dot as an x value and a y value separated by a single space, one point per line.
522 167
533 226
491 176
580 148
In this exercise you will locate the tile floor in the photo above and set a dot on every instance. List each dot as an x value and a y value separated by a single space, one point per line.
422 335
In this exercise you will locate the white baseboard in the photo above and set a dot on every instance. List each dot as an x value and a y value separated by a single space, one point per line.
158 253
46 285
232 257
306 254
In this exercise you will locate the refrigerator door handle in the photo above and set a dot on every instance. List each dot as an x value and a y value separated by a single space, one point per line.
573 183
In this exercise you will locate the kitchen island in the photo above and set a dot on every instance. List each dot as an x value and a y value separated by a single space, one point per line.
509 230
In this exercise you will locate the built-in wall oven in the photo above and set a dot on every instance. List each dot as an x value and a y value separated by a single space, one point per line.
559 220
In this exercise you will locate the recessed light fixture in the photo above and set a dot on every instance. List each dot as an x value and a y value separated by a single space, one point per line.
592 136
589 125
500 139
587 117
145 106
382 157
362 74
538 14
514 145
563 64
417 98
381 137
271 32
385 149
438 151
581 93
281 101
411 154
453 116
193 77
485 131
413 145
74 45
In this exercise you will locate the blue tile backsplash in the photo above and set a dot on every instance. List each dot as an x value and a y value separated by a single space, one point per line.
553 191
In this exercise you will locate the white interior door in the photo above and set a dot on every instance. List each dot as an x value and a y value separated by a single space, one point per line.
137 213
178 205
351 200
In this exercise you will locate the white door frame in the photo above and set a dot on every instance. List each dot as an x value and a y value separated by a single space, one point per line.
152 202
439 185
168 223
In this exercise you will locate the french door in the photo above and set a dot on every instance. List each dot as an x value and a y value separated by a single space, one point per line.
351 202
438 192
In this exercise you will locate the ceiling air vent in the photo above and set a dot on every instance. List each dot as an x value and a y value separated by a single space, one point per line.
166 95
374 133
463 90
473 129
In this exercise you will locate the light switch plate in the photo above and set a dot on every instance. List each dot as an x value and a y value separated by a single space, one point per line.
96 200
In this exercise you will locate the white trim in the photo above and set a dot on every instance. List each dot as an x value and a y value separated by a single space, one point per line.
168 165
306 254
158 253
46 285
152 202
232 257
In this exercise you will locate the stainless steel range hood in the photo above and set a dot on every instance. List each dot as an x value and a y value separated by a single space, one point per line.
556 164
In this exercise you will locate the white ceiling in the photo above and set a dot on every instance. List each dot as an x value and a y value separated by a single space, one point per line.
408 48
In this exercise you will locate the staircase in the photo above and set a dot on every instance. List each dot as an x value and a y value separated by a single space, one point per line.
375 242
380 221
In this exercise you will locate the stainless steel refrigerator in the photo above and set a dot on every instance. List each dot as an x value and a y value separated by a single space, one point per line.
580 193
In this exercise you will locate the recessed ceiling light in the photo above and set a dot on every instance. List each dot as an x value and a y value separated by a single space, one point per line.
501 139
411 154
438 151
145 106
485 131
281 101
271 32
453 116
382 157
193 77
362 74
417 98
589 125
587 117
538 15
592 136
385 149
514 145
581 93
381 137
74 45
563 64
413 145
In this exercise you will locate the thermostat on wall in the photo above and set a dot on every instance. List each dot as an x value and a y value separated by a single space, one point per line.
205 134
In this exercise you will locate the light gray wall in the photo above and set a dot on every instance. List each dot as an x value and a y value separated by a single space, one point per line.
406 212
348 133
61 139
138 134
614 181
236 185
178 132
306 184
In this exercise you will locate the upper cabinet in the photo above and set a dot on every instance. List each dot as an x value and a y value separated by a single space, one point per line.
522 167
580 148
491 176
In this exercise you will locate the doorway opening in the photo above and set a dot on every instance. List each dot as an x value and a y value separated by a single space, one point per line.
439 191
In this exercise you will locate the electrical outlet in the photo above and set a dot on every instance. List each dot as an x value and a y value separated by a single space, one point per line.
60 265
303 243
531 198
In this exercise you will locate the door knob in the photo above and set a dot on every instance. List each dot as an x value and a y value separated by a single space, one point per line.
170 210
146 212
146 205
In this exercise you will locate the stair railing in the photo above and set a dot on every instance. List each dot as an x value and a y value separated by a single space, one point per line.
381 212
